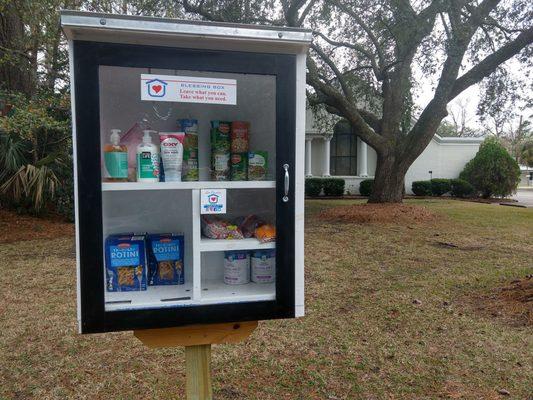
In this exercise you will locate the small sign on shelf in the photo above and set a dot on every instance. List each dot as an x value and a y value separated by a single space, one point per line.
213 201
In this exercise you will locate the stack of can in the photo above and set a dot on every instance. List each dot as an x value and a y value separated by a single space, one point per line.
220 150
239 150
190 149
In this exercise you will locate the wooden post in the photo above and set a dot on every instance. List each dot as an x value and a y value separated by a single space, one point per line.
197 340
198 370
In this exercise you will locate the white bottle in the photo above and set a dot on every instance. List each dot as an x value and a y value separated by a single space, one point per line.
147 159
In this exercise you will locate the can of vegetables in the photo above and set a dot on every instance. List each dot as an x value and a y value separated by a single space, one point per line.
190 149
220 150
239 136
239 166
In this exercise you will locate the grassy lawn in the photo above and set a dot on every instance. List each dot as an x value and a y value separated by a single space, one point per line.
394 311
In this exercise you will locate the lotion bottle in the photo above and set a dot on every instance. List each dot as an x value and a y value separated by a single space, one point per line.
115 159
147 159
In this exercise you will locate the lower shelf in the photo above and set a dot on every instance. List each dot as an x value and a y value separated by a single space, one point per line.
152 297
219 292
213 292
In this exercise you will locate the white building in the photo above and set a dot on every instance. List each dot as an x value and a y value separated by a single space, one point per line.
526 176
338 152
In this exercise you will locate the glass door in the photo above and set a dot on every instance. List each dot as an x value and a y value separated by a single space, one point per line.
188 183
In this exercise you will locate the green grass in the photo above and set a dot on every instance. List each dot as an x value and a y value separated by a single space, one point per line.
362 337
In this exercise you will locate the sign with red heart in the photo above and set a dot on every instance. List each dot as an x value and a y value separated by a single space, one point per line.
188 89
213 201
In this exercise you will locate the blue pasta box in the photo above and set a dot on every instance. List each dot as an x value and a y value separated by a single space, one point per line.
125 258
165 259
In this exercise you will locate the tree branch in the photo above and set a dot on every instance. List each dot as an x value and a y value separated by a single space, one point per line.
359 49
489 64
333 98
305 12
345 88
363 26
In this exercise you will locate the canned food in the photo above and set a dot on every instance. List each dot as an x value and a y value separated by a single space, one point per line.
257 165
236 267
220 150
239 136
239 166
263 266
190 149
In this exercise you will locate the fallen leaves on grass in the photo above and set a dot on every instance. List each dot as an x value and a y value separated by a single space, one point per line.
378 213
15 228
513 302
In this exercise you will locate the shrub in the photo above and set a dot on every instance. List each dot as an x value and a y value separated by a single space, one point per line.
366 186
313 187
492 172
333 186
461 188
421 188
440 186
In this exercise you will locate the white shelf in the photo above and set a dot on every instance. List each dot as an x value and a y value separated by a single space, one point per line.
152 297
213 292
124 186
219 292
234 244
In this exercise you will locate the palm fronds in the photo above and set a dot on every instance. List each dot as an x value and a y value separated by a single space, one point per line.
31 184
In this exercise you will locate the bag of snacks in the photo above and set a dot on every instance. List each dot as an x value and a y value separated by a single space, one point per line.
247 225
125 263
165 259
215 227
266 233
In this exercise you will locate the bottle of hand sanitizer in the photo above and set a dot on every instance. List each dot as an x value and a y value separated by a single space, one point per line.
147 159
115 159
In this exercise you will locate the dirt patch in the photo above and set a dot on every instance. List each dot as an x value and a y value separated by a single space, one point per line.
513 302
380 213
15 227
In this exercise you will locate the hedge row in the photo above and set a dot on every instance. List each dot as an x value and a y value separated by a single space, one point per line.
331 186
438 187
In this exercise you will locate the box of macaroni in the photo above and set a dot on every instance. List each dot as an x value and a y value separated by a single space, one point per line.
125 260
165 259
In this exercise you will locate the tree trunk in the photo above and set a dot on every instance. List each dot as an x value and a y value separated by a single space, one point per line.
389 181
14 73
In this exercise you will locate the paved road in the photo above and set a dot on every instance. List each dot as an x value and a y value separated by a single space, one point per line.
524 196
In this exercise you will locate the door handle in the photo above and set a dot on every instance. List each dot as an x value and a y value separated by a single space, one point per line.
286 183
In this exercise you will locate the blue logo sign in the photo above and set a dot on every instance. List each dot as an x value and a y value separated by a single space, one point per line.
157 88
213 204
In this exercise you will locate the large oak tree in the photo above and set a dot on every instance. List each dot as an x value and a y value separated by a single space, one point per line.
368 57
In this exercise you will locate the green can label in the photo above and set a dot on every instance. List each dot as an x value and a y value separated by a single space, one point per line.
239 166
116 164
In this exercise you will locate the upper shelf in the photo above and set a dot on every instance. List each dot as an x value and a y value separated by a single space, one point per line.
121 186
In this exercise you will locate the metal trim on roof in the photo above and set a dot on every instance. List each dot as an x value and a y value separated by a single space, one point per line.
81 20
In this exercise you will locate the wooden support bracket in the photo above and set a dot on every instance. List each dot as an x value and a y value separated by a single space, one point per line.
194 335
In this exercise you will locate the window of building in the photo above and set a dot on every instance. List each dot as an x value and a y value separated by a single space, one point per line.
343 150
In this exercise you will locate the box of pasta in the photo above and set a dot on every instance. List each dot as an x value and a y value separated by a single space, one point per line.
165 259
125 259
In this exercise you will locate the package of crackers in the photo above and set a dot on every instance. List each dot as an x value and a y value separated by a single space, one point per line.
125 259
165 259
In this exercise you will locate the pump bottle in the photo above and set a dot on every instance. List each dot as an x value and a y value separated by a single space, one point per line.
115 159
147 159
